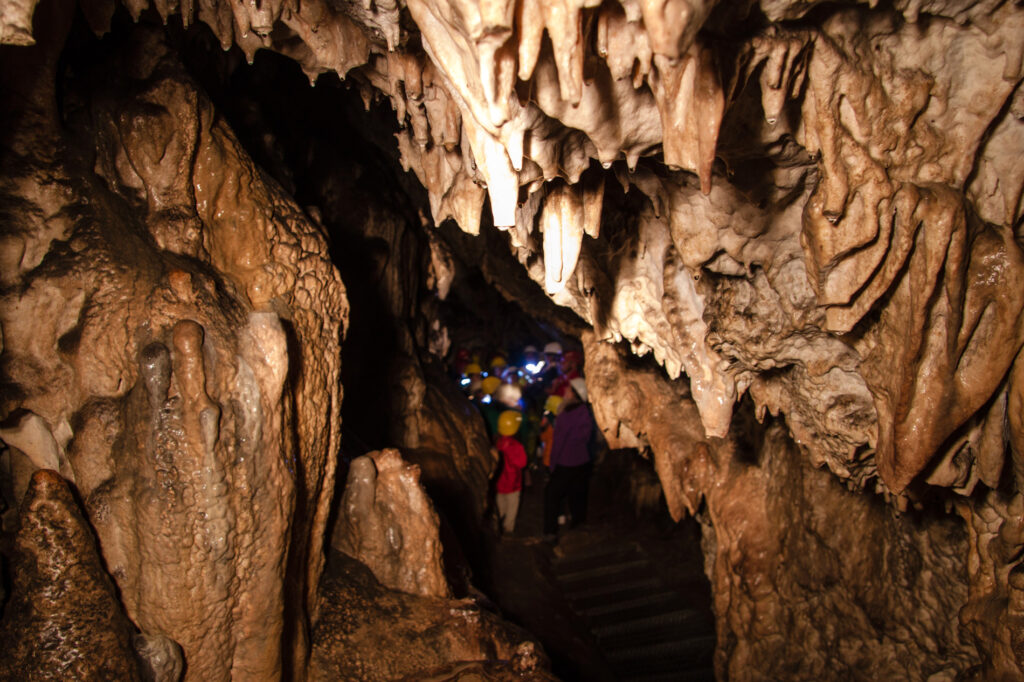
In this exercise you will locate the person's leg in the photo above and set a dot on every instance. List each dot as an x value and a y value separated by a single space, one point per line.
554 493
501 503
577 494
588 470
500 506
511 511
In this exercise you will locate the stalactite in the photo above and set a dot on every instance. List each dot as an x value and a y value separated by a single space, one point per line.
817 209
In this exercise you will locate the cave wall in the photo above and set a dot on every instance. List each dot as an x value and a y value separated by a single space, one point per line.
808 213
864 592
172 328
402 276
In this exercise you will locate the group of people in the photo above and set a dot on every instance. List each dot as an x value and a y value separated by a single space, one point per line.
537 414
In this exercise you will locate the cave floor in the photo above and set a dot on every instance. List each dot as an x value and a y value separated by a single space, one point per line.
622 597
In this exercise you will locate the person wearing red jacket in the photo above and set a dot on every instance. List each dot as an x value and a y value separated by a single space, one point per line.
568 369
513 458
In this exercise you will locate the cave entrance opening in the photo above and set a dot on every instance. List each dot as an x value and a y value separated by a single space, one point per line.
623 592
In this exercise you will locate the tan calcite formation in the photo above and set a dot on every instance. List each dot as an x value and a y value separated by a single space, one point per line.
375 633
185 323
881 139
836 233
994 613
786 543
386 521
888 218
16 22
61 593
885 117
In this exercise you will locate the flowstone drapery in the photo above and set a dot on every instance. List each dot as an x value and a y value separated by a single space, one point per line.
801 209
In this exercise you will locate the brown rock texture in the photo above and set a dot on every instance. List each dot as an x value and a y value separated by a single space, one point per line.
811 210
64 620
174 320
372 633
387 522
866 191
864 593
399 334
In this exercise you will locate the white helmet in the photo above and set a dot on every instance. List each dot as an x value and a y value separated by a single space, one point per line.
508 395
553 348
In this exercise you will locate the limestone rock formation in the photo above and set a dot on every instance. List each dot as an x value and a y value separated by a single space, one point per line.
806 210
387 522
373 633
843 181
173 320
64 620
866 594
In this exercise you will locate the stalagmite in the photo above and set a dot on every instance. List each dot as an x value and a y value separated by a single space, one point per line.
807 215
389 524
64 618
180 442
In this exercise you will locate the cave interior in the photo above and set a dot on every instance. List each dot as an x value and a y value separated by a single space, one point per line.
249 249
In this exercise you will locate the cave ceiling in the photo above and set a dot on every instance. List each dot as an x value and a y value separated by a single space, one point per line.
814 204
787 233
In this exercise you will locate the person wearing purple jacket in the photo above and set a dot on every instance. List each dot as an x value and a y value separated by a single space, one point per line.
570 459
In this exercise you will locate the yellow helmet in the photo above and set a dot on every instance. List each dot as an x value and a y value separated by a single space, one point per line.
508 422
553 403
490 385
473 368
498 361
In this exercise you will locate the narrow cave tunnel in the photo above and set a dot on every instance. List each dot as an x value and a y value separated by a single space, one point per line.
419 301
249 253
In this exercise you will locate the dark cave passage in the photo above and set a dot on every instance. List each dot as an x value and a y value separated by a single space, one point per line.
302 302
424 307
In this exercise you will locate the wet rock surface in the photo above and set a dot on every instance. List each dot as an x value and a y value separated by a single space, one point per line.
369 632
174 322
843 184
808 214
870 593
63 620
388 523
